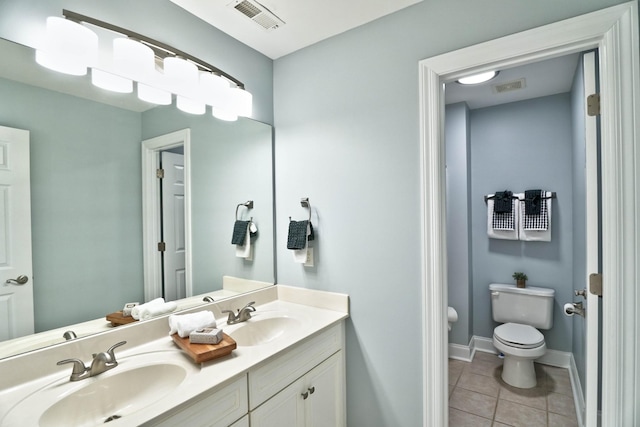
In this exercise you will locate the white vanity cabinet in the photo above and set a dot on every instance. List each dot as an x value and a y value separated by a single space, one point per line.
315 400
302 387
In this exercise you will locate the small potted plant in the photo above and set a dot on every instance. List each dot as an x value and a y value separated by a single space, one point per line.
521 279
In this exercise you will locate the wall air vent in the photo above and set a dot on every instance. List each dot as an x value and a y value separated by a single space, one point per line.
509 86
258 13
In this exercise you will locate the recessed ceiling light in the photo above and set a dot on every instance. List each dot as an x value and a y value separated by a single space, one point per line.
478 78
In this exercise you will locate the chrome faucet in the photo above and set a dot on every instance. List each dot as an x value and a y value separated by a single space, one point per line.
243 315
101 362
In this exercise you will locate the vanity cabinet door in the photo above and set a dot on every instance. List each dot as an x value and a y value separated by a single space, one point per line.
324 406
315 400
284 409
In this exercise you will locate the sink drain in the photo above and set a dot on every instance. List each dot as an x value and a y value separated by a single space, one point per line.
112 417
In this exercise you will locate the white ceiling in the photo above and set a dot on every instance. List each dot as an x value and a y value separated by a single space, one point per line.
306 21
543 78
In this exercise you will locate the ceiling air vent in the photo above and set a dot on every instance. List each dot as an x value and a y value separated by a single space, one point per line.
509 86
257 13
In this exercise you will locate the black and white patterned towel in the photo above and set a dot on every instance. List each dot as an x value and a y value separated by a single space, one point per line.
506 220
239 232
539 221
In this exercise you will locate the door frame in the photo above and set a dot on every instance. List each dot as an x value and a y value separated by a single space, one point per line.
151 210
614 32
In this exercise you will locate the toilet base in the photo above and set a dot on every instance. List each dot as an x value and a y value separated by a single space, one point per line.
519 372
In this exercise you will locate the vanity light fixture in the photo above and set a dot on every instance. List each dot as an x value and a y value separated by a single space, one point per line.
478 78
71 47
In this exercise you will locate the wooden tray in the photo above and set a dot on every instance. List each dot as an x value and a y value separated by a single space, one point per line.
204 352
118 319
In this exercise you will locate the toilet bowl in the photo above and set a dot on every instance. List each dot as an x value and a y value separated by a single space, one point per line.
521 345
521 311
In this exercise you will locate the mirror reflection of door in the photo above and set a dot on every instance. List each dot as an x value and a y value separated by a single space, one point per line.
172 200
16 294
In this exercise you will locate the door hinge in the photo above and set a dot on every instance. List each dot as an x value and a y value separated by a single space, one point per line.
593 104
160 173
162 247
595 284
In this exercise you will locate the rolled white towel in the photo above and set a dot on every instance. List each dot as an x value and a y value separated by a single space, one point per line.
135 311
158 310
184 324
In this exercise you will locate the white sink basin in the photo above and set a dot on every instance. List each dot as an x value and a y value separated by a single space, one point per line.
137 382
115 396
261 330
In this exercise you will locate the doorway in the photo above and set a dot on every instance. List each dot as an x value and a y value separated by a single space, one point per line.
172 203
530 135
614 31
152 219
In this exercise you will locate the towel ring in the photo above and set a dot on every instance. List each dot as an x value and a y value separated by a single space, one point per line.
248 204
304 202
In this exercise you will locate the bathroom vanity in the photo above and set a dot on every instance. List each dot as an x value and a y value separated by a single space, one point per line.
287 369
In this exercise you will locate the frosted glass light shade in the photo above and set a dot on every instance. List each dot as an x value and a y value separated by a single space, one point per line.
111 82
226 115
181 76
153 95
69 47
190 106
214 90
133 59
241 102
478 78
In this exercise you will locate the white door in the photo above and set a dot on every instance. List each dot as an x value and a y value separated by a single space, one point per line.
173 211
592 247
16 295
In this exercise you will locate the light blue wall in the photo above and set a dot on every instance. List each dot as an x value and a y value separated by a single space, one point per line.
24 22
86 248
459 254
519 146
347 136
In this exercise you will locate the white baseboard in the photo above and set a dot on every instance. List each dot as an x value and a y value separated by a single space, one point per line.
483 344
561 359
578 396
460 352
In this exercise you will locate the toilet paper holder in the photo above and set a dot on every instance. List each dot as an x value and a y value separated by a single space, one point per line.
574 308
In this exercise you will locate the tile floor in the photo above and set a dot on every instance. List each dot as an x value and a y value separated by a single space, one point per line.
478 397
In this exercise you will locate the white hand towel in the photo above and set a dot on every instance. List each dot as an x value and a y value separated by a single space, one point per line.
158 310
184 324
244 250
500 233
536 235
135 311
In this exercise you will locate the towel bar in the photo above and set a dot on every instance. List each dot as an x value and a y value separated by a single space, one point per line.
553 196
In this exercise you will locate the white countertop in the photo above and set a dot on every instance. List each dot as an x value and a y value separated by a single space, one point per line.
317 310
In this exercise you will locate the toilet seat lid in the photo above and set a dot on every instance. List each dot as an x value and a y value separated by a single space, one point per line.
518 335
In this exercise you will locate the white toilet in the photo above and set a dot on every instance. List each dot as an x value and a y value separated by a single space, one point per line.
521 311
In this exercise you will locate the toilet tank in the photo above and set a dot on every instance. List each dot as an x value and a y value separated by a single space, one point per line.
529 306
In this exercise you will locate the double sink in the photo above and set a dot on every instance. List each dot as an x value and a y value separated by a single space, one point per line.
140 380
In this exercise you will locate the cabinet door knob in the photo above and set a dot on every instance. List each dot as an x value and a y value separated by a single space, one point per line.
305 395
311 389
